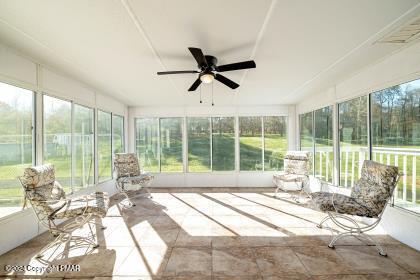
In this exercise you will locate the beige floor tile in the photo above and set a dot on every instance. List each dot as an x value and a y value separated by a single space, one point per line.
144 261
392 277
191 261
405 257
234 261
278 261
321 260
194 237
340 277
365 259
158 237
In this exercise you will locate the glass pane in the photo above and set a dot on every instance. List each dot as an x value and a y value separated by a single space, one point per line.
275 142
353 139
118 133
324 150
57 138
396 137
223 145
250 133
306 136
147 144
198 144
83 147
104 146
171 145
15 144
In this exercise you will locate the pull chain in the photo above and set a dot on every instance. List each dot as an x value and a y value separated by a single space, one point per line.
201 101
212 98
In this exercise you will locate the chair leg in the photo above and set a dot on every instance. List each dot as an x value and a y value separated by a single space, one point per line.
148 191
275 193
130 203
323 221
355 230
378 246
337 237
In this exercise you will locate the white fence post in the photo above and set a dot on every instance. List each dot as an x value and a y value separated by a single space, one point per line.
327 165
405 177
414 183
353 155
346 168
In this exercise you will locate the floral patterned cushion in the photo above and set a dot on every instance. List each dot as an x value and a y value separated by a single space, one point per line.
343 204
376 185
296 162
126 165
37 176
97 204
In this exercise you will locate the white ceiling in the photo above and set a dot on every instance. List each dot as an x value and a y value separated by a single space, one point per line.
299 46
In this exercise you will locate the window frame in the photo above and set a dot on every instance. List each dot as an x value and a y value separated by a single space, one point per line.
97 180
34 142
123 130
235 119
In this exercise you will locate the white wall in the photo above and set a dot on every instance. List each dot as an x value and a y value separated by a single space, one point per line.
20 71
213 179
400 67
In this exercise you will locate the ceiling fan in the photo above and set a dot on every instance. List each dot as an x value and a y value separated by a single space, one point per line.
209 71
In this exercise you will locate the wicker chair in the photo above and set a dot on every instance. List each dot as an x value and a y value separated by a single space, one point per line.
296 170
129 177
48 201
368 198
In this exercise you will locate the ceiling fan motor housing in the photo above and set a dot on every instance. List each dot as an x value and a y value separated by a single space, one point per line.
211 62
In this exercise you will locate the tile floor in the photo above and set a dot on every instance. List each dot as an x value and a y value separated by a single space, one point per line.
216 234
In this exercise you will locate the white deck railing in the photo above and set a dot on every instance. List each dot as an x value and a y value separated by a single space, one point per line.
352 159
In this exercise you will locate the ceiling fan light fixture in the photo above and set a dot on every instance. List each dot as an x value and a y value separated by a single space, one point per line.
207 78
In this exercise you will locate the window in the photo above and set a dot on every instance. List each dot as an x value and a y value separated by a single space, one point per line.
199 150
395 128
306 135
117 134
275 142
250 141
324 148
223 143
104 146
83 147
171 145
353 120
16 144
147 143
57 138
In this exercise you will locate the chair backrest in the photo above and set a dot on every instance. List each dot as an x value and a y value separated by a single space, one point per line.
126 165
42 190
296 162
375 186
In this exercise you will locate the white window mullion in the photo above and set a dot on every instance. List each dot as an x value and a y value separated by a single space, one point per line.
39 128
336 147
72 148
237 146
185 144
211 143
159 146
262 144
95 139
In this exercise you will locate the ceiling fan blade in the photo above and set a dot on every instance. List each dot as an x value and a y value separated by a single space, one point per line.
226 81
178 72
236 66
199 56
195 85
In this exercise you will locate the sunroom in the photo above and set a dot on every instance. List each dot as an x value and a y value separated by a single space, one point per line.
210 140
